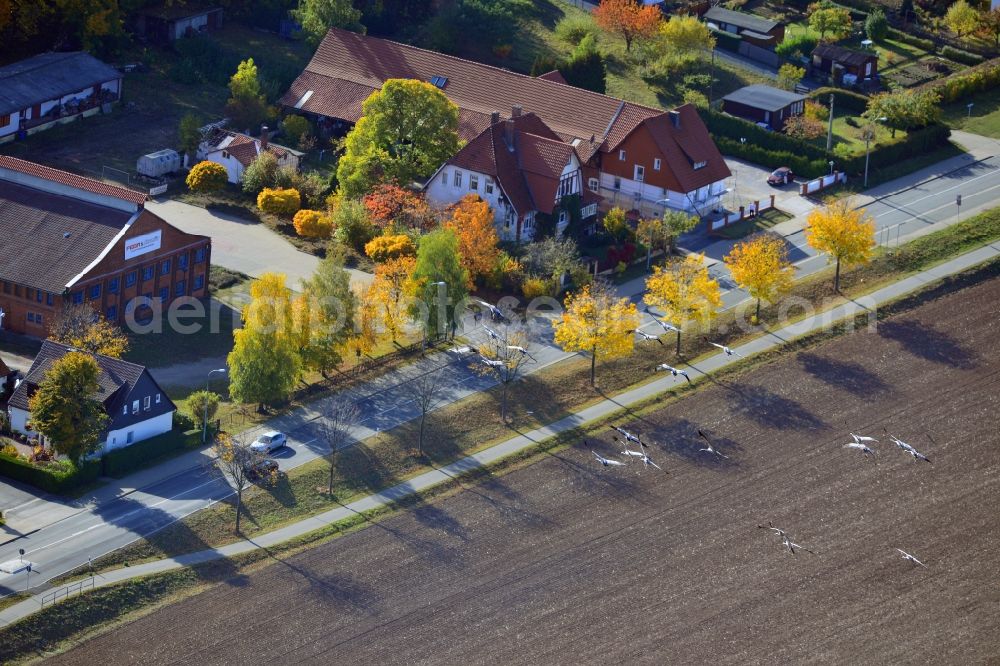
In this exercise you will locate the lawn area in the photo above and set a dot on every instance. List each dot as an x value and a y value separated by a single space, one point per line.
762 222
167 345
985 118
847 135
473 423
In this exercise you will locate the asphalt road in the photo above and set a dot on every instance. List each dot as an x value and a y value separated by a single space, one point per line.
564 561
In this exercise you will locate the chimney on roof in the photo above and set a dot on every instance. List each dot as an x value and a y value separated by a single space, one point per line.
264 136
494 118
675 119
592 139
516 111
508 134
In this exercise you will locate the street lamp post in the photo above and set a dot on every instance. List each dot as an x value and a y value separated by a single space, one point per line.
969 106
831 167
441 305
204 423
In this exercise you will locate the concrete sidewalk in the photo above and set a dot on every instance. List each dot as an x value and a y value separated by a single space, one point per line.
767 341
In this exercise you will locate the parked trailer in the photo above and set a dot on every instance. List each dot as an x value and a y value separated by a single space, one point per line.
159 163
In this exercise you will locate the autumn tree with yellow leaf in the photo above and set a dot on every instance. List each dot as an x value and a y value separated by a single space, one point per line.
472 221
366 323
760 265
599 323
83 327
683 291
387 293
844 233
323 314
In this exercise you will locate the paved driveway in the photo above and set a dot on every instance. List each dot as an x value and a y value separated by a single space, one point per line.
244 246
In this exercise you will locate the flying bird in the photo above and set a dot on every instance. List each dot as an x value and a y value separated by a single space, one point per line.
727 350
463 350
493 334
863 438
647 337
524 352
666 326
629 437
770 526
674 371
495 312
907 556
607 462
792 546
647 461
709 448
864 448
493 363
917 455
627 451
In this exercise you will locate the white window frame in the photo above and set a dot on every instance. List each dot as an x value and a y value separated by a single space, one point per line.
618 182
474 182
621 155
656 164
157 398
135 406
639 171
457 180
488 186
146 403
700 165
594 184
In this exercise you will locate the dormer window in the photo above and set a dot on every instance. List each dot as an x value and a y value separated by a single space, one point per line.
700 165
439 81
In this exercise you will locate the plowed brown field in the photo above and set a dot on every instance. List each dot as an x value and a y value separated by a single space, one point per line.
568 562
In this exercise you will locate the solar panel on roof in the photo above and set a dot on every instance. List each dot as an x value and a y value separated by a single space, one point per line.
439 81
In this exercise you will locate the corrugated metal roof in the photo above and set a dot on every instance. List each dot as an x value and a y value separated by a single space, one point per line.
50 76
763 97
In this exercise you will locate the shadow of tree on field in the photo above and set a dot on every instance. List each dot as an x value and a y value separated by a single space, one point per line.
771 410
928 343
337 589
846 375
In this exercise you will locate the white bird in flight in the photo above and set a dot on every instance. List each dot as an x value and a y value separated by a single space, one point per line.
674 371
495 312
770 526
647 461
627 451
863 438
490 332
709 448
647 337
607 462
493 363
666 326
917 455
727 350
524 352
907 556
864 448
462 350
791 546
629 437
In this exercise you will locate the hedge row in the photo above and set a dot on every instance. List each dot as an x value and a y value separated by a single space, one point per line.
912 40
985 76
721 124
56 478
772 159
842 100
119 462
958 55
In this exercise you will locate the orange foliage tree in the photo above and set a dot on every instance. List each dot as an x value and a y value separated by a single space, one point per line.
472 222
390 204
628 19
387 293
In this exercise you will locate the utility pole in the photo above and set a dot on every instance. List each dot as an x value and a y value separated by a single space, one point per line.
829 128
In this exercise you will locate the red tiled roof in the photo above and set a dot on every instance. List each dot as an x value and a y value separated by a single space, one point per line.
625 121
684 146
555 75
347 67
243 148
71 180
529 175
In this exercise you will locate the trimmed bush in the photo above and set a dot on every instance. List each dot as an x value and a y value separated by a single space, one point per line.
54 477
905 37
958 55
312 224
207 177
284 202
958 86
388 247
843 100
722 125
803 43
124 461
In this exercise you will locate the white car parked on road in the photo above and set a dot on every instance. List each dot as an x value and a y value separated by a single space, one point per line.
269 441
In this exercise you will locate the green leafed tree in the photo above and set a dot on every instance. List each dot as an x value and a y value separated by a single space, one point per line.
64 409
188 134
828 19
406 131
324 314
438 260
265 361
961 18
246 106
202 406
317 17
904 109
262 172
876 25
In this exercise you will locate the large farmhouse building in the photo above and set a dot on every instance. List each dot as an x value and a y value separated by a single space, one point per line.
52 88
70 239
630 155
